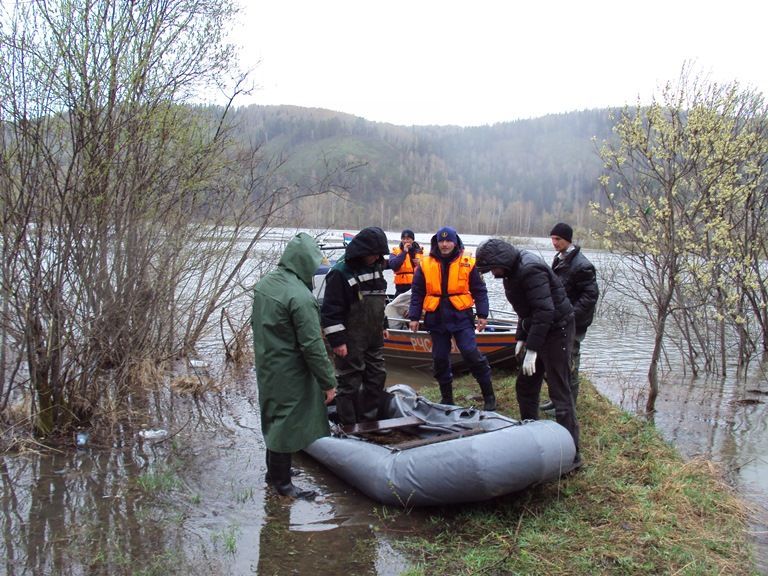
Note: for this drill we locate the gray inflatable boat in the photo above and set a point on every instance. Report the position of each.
(436, 454)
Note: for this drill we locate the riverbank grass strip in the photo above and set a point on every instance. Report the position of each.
(635, 508)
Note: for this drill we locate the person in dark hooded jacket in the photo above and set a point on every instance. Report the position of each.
(445, 287)
(352, 316)
(294, 373)
(545, 329)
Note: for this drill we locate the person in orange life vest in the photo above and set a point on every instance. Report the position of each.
(404, 259)
(445, 287)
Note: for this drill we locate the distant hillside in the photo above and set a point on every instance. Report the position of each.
(510, 178)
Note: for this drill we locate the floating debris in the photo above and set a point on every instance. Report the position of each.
(747, 401)
(153, 434)
(81, 439)
(192, 385)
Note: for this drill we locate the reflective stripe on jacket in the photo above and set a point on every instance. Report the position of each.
(458, 282)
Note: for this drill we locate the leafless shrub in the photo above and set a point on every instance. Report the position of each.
(128, 217)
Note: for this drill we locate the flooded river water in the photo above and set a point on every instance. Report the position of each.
(723, 419)
(189, 496)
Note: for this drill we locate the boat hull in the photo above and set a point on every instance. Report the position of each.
(414, 349)
(486, 455)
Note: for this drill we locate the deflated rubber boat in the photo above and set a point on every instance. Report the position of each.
(443, 454)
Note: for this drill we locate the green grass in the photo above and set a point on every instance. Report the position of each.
(244, 495)
(635, 508)
(160, 480)
(159, 566)
(227, 538)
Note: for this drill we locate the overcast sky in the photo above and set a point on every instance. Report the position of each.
(480, 61)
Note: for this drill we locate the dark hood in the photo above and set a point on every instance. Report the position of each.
(368, 242)
(496, 253)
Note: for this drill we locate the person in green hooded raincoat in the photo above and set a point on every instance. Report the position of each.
(295, 375)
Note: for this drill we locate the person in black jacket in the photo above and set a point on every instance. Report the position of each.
(579, 279)
(353, 322)
(545, 329)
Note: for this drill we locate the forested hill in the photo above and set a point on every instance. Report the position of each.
(510, 178)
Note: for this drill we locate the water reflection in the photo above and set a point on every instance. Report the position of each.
(79, 513)
(303, 538)
(195, 502)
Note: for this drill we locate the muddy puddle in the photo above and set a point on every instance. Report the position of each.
(189, 498)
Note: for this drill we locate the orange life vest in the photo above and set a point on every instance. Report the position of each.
(458, 282)
(404, 275)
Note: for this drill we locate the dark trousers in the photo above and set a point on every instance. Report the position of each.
(361, 374)
(554, 359)
(361, 377)
(467, 345)
(576, 355)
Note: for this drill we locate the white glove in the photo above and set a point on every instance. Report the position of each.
(518, 347)
(529, 363)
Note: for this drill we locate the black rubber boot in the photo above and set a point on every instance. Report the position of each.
(446, 394)
(369, 407)
(346, 409)
(279, 471)
(547, 406)
(268, 477)
(489, 398)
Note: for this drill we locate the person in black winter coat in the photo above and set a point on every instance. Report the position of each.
(545, 329)
(353, 322)
(579, 279)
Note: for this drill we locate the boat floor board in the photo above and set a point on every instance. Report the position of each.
(379, 425)
(436, 439)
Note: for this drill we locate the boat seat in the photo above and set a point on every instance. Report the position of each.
(379, 425)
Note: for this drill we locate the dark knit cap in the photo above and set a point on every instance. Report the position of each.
(562, 230)
(407, 234)
(447, 233)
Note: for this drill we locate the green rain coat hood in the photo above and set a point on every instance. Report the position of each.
(302, 256)
(292, 365)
